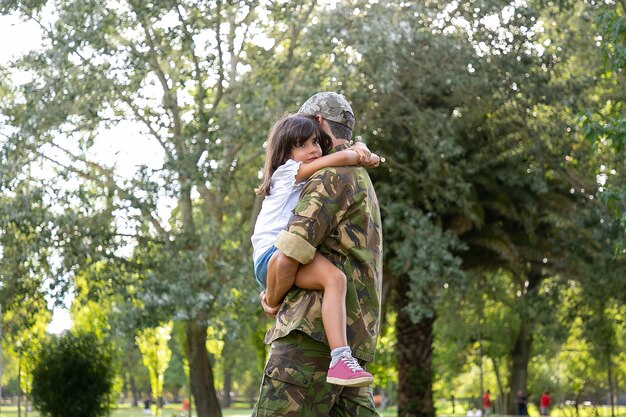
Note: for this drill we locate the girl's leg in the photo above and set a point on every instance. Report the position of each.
(278, 283)
(321, 274)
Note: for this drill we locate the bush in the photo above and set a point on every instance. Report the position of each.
(73, 377)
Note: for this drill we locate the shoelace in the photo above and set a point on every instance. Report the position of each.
(351, 363)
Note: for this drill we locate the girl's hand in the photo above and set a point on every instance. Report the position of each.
(362, 151)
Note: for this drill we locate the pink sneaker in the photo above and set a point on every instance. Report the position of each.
(347, 371)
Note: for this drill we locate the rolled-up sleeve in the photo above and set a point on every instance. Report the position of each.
(318, 211)
(295, 247)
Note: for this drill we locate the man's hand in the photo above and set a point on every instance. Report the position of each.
(373, 162)
(271, 311)
(366, 158)
(362, 151)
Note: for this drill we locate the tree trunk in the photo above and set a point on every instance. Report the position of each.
(133, 391)
(200, 370)
(229, 352)
(228, 379)
(1, 339)
(502, 398)
(19, 385)
(611, 385)
(520, 355)
(480, 368)
(519, 364)
(414, 351)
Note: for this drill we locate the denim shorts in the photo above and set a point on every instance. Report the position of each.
(260, 266)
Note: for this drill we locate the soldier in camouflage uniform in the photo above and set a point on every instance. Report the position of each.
(337, 215)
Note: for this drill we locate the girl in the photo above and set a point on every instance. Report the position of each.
(295, 147)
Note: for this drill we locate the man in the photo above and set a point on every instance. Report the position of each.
(337, 215)
(522, 403)
(544, 403)
(487, 402)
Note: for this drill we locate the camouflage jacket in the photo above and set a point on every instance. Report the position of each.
(337, 215)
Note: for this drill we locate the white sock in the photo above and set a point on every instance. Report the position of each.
(336, 353)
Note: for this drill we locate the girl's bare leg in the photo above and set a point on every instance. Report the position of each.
(281, 274)
(321, 274)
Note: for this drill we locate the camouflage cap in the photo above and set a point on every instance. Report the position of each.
(331, 106)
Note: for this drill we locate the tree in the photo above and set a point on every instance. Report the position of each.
(73, 366)
(25, 341)
(156, 355)
(24, 262)
(111, 318)
(458, 111)
(176, 377)
(480, 124)
(183, 75)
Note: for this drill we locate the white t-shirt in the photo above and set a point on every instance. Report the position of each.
(277, 207)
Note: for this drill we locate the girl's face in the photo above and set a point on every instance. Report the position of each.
(306, 151)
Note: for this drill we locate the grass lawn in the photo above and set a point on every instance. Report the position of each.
(173, 410)
(170, 410)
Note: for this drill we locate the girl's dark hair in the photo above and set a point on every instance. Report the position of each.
(287, 132)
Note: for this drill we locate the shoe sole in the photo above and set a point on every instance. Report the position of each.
(355, 382)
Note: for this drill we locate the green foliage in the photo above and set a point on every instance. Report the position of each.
(176, 377)
(170, 240)
(421, 252)
(503, 149)
(603, 121)
(76, 367)
(156, 355)
(24, 343)
(384, 366)
(25, 234)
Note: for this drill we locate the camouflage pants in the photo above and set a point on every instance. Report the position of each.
(294, 383)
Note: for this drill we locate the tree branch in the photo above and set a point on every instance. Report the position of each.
(169, 94)
(139, 237)
(209, 199)
(31, 17)
(147, 123)
(109, 182)
(234, 58)
(244, 21)
(201, 92)
(296, 29)
(220, 58)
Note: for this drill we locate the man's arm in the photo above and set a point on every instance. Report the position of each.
(281, 274)
(314, 218)
(271, 311)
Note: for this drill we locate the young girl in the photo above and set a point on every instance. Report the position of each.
(295, 147)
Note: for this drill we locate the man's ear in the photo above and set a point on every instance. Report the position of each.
(324, 125)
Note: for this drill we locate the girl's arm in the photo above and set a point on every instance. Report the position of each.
(366, 157)
(337, 159)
